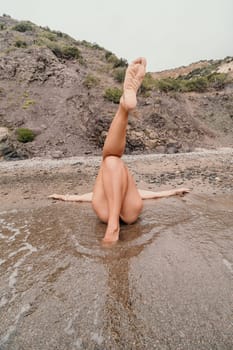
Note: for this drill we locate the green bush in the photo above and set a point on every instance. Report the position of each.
(56, 32)
(46, 28)
(96, 46)
(113, 94)
(108, 54)
(119, 74)
(2, 26)
(27, 103)
(71, 52)
(91, 81)
(116, 62)
(66, 52)
(25, 135)
(202, 71)
(111, 58)
(199, 84)
(87, 44)
(196, 84)
(120, 62)
(217, 80)
(199, 80)
(23, 27)
(168, 84)
(21, 44)
(57, 50)
(59, 34)
(49, 35)
(148, 84)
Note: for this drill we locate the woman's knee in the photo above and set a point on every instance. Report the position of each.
(130, 215)
(112, 162)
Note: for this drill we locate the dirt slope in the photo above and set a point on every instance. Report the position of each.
(55, 86)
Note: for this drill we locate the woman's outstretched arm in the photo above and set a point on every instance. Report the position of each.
(153, 195)
(86, 197)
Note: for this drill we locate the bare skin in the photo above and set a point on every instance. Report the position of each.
(115, 194)
(87, 197)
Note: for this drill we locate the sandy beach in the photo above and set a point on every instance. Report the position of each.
(29, 182)
(167, 284)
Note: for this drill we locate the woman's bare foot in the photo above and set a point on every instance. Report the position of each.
(111, 234)
(133, 79)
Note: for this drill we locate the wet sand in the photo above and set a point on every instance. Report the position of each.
(167, 284)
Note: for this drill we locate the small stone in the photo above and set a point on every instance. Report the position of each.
(172, 150)
(104, 134)
(160, 149)
(4, 133)
(153, 135)
(151, 143)
(57, 154)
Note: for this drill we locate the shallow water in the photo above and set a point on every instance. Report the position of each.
(167, 284)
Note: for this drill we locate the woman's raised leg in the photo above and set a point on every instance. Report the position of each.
(115, 194)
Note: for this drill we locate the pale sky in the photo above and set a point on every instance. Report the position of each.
(169, 33)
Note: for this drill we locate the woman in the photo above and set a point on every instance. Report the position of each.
(115, 195)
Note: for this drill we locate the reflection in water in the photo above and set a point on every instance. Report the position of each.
(170, 274)
(121, 322)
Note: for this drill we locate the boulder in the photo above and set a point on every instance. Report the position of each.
(8, 152)
(136, 140)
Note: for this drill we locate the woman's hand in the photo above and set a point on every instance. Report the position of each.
(182, 191)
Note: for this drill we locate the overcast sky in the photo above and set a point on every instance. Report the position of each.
(169, 33)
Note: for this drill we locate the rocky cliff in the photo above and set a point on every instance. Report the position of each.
(58, 96)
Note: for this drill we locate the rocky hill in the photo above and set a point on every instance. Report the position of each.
(58, 96)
